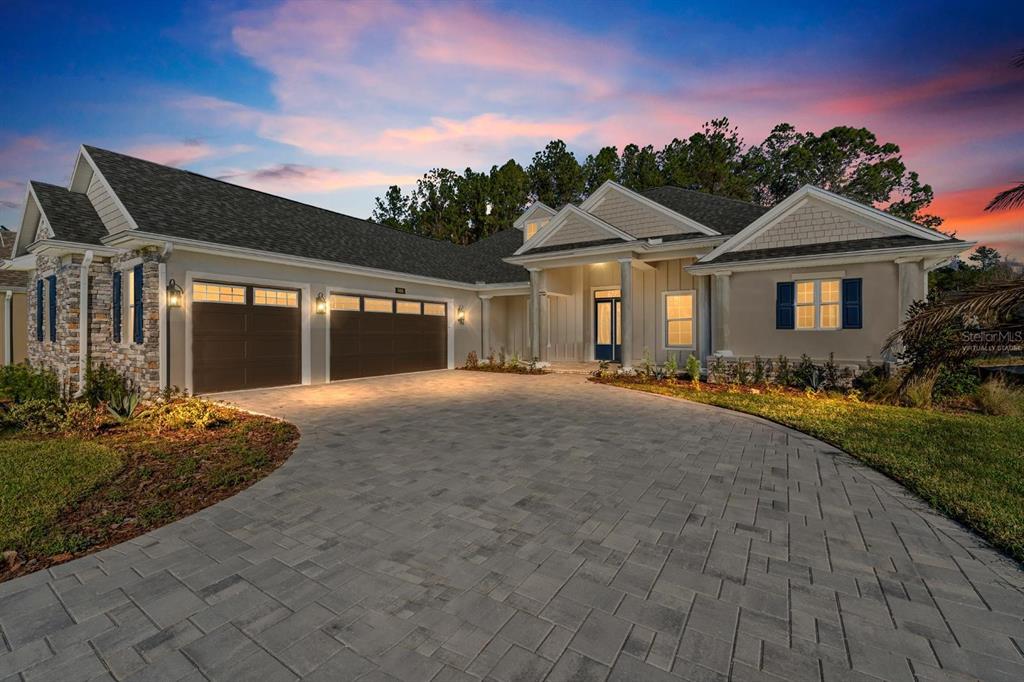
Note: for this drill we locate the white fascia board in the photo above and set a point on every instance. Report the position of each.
(597, 254)
(555, 223)
(59, 247)
(797, 200)
(812, 260)
(134, 238)
(21, 244)
(611, 186)
(20, 263)
(535, 207)
(117, 200)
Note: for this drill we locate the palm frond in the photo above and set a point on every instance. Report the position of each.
(1011, 198)
(991, 304)
(1018, 61)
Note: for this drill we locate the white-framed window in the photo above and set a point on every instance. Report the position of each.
(407, 307)
(678, 308)
(207, 292)
(377, 305)
(283, 298)
(817, 304)
(434, 309)
(533, 227)
(343, 302)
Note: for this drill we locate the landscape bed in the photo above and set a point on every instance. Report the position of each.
(72, 491)
(969, 466)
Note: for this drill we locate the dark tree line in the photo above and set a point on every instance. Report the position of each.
(849, 161)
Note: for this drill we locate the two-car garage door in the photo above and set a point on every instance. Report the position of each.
(247, 336)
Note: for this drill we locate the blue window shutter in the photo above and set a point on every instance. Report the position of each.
(853, 304)
(115, 316)
(52, 279)
(785, 315)
(39, 310)
(137, 316)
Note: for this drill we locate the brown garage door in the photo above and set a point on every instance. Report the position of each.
(245, 337)
(371, 336)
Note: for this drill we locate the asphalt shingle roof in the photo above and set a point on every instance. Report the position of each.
(178, 203)
(826, 248)
(722, 214)
(10, 278)
(71, 214)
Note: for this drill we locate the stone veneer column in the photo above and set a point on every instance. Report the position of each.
(626, 287)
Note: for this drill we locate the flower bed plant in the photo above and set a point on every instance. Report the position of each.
(503, 364)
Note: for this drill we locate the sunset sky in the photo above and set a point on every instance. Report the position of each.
(329, 103)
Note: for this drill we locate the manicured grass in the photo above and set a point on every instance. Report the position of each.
(968, 466)
(39, 477)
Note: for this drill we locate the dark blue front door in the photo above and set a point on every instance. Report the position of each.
(607, 329)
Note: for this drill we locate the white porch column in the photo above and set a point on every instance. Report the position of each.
(485, 326)
(720, 340)
(626, 287)
(703, 331)
(913, 284)
(535, 313)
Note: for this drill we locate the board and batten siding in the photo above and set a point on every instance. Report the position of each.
(110, 214)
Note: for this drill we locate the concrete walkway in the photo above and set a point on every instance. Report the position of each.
(456, 525)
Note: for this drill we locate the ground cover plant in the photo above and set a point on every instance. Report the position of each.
(507, 364)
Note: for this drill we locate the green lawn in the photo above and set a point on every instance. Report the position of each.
(39, 477)
(969, 466)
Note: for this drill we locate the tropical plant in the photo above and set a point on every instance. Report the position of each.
(1013, 197)
(830, 373)
(671, 366)
(693, 369)
(123, 402)
(101, 382)
(23, 382)
(742, 372)
(806, 373)
(783, 371)
(759, 376)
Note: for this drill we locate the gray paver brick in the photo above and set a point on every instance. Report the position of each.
(691, 540)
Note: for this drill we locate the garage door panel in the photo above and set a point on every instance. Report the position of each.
(370, 344)
(241, 345)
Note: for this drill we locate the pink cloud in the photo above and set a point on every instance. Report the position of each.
(172, 153)
(300, 179)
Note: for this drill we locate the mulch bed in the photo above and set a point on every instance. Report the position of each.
(166, 475)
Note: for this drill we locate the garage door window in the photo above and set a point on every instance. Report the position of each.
(203, 292)
(378, 305)
(433, 309)
(350, 303)
(407, 307)
(278, 297)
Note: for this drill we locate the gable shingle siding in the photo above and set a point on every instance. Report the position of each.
(814, 223)
(575, 230)
(630, 216)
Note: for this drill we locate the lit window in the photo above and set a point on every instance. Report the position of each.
(608, 293)
(817, 304)
(433, 309)
(277, 297)
(215, 293)
(339, 302)
(531, 229)
(407, 307)
(377, 305)
(679, 319)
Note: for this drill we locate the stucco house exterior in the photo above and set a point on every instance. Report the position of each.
(181, 280)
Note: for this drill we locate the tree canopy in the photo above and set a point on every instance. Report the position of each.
(849, 161)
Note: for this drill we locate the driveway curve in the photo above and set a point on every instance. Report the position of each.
(457, 526)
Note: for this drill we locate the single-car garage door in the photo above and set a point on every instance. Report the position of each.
(373, 335)
(245, 337)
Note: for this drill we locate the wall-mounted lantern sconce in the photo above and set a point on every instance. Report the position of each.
(174, 295)
(460, 315)
(321, 304)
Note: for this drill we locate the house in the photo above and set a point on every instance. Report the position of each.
(177, 279)
(13, 286)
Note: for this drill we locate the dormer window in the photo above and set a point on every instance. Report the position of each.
(532, 227)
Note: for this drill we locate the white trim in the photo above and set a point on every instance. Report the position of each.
(132, 225)
(816, 304)
(818, 259)
(520, 222)
(83, 320)
(163, 317)
(304, 309)
(20, 263)
(8, 332)
(450, 311)
(834, 274)
(549, 230)
(797, 199)
(591, 308)
(663, 320)
(595, 199)
(677, 248)
(210, 248)
(59, 247)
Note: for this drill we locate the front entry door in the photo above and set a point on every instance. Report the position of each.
(607, 329)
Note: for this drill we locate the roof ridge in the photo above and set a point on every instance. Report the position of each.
(707, 194)
(273, 196)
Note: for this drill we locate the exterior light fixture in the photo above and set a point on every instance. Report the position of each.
(321, 304)
(460, 315)
(174, 295)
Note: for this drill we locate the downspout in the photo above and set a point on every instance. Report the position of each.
(83, 322)
(8, 331)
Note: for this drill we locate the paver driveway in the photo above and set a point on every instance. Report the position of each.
(461, 525)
